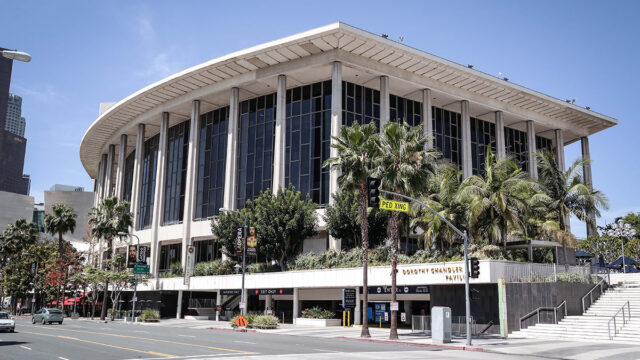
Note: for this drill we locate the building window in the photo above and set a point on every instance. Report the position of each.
(516, 146)
(359, 104)
(212, 155)
(149, 163)
(308, 139)
(405, 110)
(482, 137)
(447, 134)
(255, 147)
(128, 175)
(177, 157)
(207, 250)
(169, 254)
(544, 144)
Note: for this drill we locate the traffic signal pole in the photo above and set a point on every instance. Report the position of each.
(463, 234)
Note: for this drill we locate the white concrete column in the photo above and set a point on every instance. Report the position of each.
(218, 303)
(296, 304)
(268, 301)
(385, 112)
(336, 124)
(357, 312)
(122, 158)
(408, 310)
(191, 179)
(111, 154)
(501, 148)
(279, 161)
(465, 120)
(427, 117)
(231, 172)
(588, 180)
(531, 150)
(98, 196)
(179, 307)
(137, 175)
(559, 140)
(158, 202)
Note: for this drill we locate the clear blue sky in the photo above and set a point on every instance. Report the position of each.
(87, 52)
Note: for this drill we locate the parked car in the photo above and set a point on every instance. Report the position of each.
(47, 316)
(6, 322)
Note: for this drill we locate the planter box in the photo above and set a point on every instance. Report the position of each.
(318, 322)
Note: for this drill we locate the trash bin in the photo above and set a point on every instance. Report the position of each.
(441, 324)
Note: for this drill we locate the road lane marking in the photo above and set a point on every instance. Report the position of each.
(24, 347)
(245, 342)
(102, 344)
(326, 351)
(148, 339)
(62, 358)
(189, 336)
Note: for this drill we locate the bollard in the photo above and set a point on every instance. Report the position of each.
(283, 317)
(348, 319)
(344, 323)
(380, 321)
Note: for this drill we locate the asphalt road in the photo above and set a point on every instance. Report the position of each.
(75, 340)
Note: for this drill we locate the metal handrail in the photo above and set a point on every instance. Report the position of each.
(624, 319)
(542, 308)
(590, 294)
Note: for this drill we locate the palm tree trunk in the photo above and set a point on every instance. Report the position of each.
(364, 227)
(393, 333)
(103, 311)
(61, 267)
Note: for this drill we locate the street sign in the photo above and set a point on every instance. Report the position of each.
(281, 291)
(188, 270)
(135, 298)
(412, 289)
(386, 316)
(349, 298)
(243, 305)
(241, 321)
(403, 317)
(394, 205)
(230, 292)
(140, 269)
(394, 306)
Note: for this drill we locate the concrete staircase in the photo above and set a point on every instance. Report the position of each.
(593, 324)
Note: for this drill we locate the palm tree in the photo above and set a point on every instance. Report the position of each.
(404, 167)
(356, 151)
(63, 220)
(106, 221)
(496, 200)
(568, 194)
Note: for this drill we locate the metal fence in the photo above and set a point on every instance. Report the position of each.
(202, 303)
(513, 271)
(421, 324)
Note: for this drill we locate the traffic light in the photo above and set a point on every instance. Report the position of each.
(474, 268)
(373, 192)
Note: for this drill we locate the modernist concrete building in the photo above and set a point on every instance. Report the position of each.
(81, 202)
(217, 134)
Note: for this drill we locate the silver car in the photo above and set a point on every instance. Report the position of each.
(6, 322)
(47, 316)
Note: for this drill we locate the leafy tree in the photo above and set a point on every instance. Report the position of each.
(96, 278)
(17, 277)
(62, 220)
(404, 167)
(107, 220)
(356, 153)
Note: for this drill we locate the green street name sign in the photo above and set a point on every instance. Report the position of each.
(140, 269)
(394, 205)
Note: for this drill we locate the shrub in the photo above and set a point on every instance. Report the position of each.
(570, 277)
(265, 322)
(264, 268)
(317, 312)
(217, 267)
(150, 315)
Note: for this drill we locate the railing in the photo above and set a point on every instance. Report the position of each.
(624, 320)
(545, 308)
(422, 324)
(533, 272)
(600, 285)
(202, 303)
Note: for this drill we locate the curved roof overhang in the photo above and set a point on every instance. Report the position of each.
(336, 42)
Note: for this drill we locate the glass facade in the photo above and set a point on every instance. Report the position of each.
(359, 104)
(406, 110)
(176, 174)
(544, 144)
(516, 146)
(212, 155)
(206, 250)
(148, 182)
(447, 134)
(255, 147)
(128, 175)
(483, 136)
(308, 139)
(169, 254)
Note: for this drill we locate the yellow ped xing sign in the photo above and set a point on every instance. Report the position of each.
(394, 205)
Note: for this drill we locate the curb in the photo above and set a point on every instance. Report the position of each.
(234, 330)
(440, 346)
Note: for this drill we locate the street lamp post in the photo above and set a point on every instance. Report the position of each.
(622, 230)
(135, 278)
(243, 301)
(33, 303)
(16, 55)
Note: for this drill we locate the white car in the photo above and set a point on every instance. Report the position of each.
(6, 322)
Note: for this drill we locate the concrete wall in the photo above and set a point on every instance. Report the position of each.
(13, 207)
(484, 302)
(81, 202)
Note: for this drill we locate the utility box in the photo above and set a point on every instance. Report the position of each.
(441, 324)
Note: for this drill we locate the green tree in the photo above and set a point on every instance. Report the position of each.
(109, 218)
(96, 278)
(404, 167)
(61, 221)
(17, 276)
(357, 150)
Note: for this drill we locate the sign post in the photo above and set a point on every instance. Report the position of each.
(349, 298)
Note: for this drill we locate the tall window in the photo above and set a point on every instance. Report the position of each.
(128, 175)
(447, 134)
(516, 146)
(177, 157)
(206, 250)
(308, 140)
(169, 254)
(405, 110)
(482, 137)
(212, 155)
(544, 144)
(255, 148)
(147, 190)
(359, 104)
